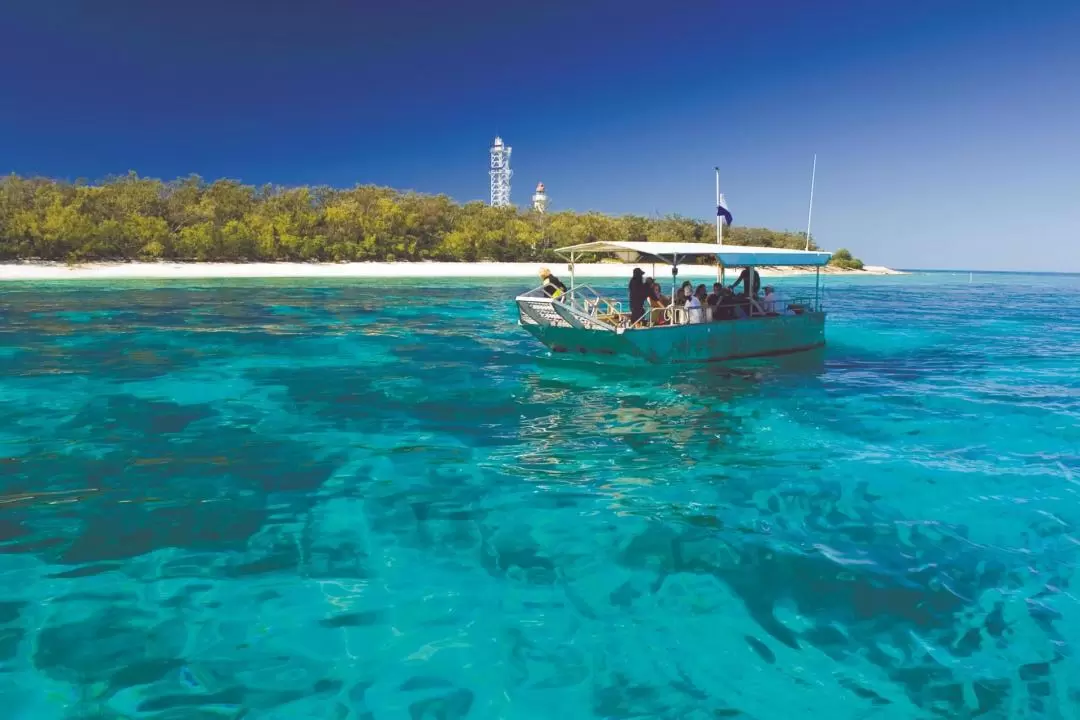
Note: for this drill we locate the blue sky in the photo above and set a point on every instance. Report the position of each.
(947, 132)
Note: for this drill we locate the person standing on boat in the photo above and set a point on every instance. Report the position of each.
(638, 295)
(551, 284)
(744, 278)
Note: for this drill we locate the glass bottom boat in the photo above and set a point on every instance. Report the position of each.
(583, 322)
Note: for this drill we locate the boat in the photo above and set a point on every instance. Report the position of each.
(583, 322)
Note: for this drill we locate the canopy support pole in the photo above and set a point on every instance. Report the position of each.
(572, 273)
(674, 277)
(751, 292)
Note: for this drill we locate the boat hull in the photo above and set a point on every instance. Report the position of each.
(706, 342)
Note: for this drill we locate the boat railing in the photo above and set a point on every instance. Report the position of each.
(679, 315)
(538, 293)
(586, 300)
(659, 316)
(798, 303)
(590, 307)
(582, 298)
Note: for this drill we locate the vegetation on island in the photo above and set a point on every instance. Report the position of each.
(134, 218)
(843, 259)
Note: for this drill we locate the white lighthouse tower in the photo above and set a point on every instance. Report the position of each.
(540, 199)
(500, 173)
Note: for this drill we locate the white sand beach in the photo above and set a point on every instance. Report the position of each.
(195, 271)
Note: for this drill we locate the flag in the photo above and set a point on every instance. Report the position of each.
(722, 211)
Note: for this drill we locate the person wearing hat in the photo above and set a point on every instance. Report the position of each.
(551, 284)
(638, 295)
(769, 302)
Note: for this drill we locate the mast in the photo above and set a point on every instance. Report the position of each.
(810, 214)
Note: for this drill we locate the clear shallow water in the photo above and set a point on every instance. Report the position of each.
(263, 500)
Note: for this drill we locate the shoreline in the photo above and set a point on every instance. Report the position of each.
(206, 271)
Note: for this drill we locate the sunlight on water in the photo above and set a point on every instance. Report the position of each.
(265, 500)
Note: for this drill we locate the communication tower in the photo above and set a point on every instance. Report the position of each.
(500, 174)
(540, 199)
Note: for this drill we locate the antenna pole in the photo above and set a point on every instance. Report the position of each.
(719, 220)
(810, 215)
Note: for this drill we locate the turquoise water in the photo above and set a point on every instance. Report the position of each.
(266, 500)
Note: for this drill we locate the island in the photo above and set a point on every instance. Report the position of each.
(136, 227)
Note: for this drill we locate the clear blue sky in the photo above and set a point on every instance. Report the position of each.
(947, 132)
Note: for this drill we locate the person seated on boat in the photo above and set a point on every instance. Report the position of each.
(658, 303)
(712, 302)
(638, 295)
(725, 306)
(771, 302)
(703, 297)
(685, 291)
(694, 311)
(661, 296)
(744, 279)
(551, 284)
(714, 297)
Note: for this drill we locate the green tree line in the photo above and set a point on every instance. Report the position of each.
(135, 218)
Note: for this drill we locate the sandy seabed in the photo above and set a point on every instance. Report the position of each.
(195, 270)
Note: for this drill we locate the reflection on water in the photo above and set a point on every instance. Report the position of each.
(269, 501)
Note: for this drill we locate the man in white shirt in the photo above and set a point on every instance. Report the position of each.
(694, 312)
(769, 302)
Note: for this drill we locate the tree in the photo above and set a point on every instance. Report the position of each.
(843, 258)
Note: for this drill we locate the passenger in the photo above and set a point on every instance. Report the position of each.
(551, 284)
(770, 301)
(658, 303)
(714, 298)
(663, 298)
(686, 291)
(638, 296)
(694, 312)
(702, 296)
(725, 308)
(744, 278)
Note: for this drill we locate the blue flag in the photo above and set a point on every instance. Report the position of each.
(722, 211)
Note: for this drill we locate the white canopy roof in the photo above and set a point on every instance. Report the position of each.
(676, 252)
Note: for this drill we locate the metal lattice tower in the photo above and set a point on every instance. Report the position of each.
(500, 174)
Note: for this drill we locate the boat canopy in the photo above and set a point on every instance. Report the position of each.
(674, 253)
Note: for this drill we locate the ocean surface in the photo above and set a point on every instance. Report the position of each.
(359, 500)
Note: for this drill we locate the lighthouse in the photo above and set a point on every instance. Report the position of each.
(540, 199)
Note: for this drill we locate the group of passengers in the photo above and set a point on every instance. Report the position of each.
(647, 299)
(700, 306)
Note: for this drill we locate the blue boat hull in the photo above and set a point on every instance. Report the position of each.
(706, 342)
